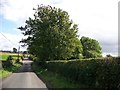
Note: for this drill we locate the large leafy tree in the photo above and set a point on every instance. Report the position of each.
(91, 47)
(51, 34)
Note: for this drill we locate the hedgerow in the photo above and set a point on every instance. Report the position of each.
(94, 73)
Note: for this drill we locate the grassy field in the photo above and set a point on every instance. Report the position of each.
(4, 56)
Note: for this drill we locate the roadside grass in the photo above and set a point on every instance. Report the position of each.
(53, 80)
(4, 72)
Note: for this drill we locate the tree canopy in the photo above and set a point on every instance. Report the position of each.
(51, 34)
(14, 50)
(91, 47)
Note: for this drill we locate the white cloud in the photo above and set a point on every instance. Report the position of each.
(20, 10)
(10, 41)
(16, 10)
(96, 18)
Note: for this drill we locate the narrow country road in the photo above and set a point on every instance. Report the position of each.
(23, 78)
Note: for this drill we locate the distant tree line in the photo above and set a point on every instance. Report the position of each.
(52, 36)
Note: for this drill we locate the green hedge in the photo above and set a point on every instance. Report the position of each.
(9, 62)
(94, 73)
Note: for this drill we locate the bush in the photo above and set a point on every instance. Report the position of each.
(18, 60)
(94, 73)
(30, 57)
(8, 62)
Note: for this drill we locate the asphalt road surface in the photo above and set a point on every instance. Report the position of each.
(23, 78)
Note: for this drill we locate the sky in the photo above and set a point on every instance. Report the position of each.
(97, 19)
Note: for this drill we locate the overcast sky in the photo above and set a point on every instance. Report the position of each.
(97, 19)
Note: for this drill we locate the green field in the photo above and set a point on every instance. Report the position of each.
(4, 55)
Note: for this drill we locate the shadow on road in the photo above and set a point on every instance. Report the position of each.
(26, 67)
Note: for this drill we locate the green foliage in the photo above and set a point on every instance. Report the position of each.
(53, 80)
(91, 48)
(108, 55)
(51, 34)
(8, 62)
(96, 73)
(6, 71)
(11, 59)
(14, 50)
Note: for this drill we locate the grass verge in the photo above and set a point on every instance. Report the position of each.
(53, 80)
(9, 70)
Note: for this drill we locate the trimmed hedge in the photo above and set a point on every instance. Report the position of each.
(95, 73)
